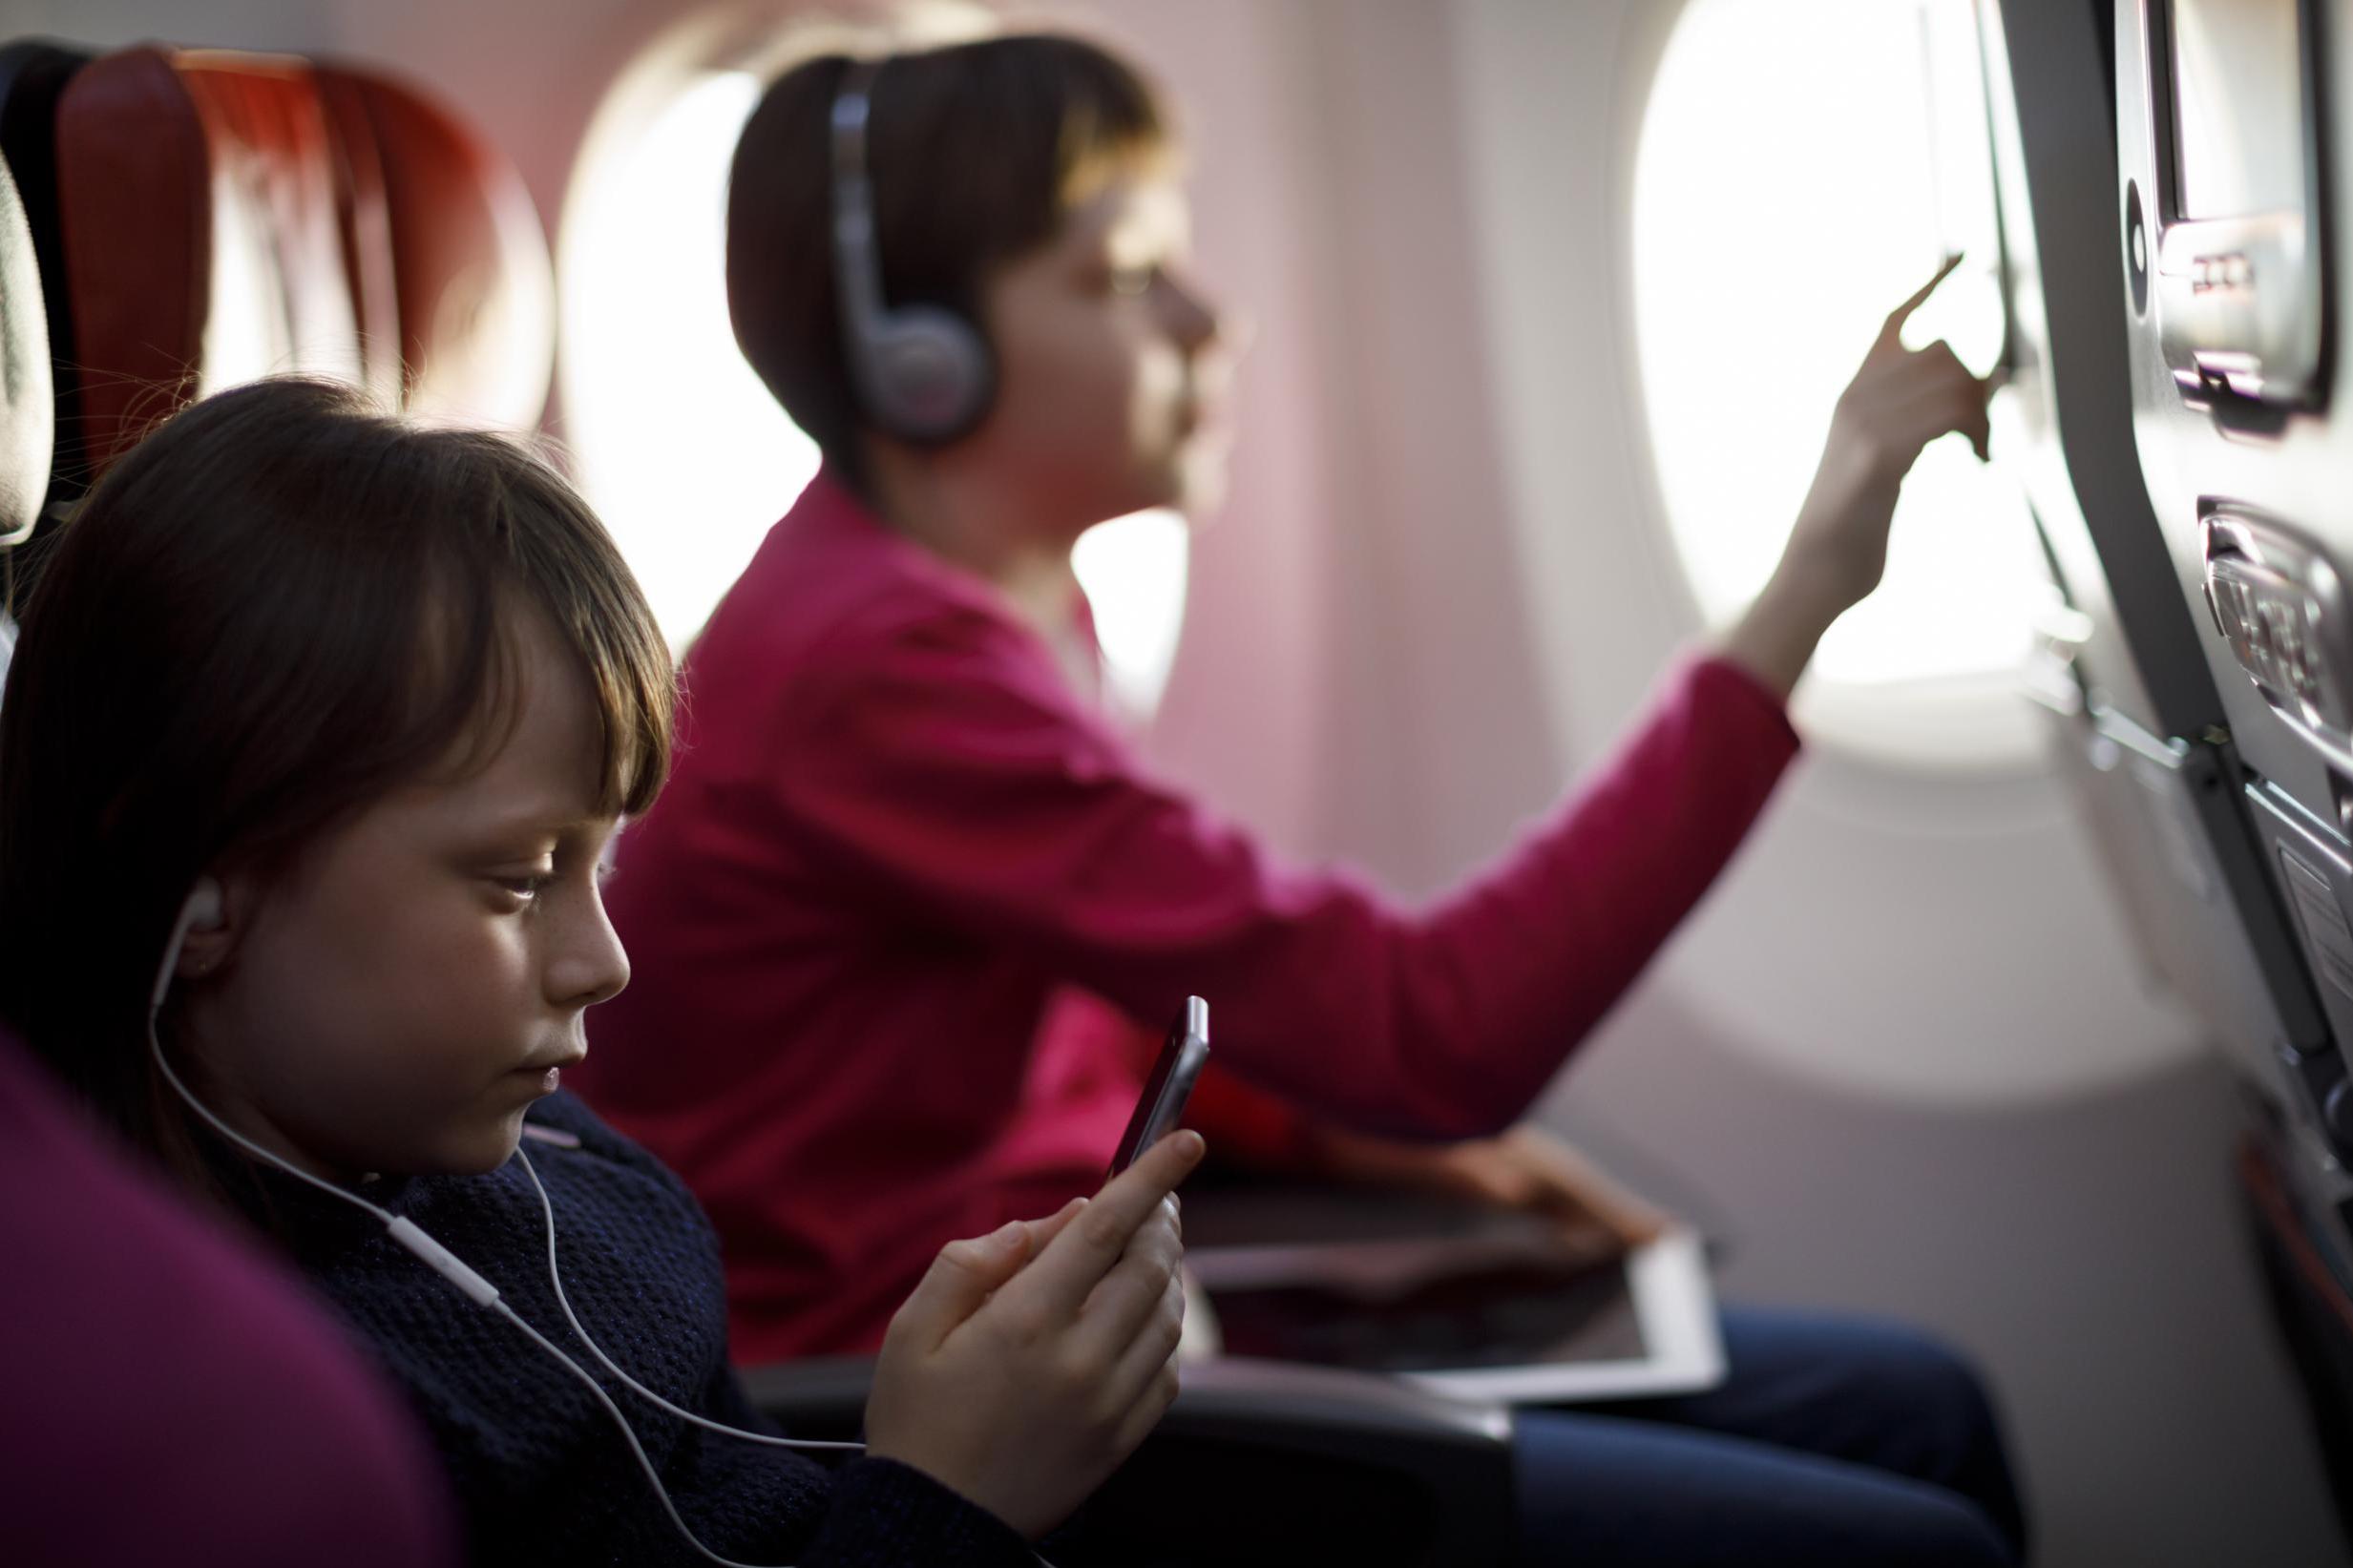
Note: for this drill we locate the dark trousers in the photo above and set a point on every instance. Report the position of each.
(1836, 1442)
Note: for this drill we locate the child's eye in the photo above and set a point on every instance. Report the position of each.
(527, 889)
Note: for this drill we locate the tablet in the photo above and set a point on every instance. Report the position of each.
(1499, 1312)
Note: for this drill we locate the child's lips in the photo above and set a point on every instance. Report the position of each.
(550, 1069)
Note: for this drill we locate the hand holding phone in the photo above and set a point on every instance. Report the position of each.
(1030, 1362)
(1171, 1085)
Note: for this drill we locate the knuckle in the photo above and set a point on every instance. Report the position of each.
(1100, 1229)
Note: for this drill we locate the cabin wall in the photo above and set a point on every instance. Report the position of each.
(1437, 590)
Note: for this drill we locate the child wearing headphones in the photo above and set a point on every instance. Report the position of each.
(911, 890)
(318, 731)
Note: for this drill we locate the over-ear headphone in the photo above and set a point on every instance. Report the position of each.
(922, 372)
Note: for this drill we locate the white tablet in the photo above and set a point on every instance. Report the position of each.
(1495, 1314)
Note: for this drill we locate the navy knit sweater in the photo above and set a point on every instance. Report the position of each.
(542, 1472)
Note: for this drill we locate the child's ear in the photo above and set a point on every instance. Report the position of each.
(223, 904)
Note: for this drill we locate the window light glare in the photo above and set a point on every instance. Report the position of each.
(1133, 571)
(1805, 164)
(682, 448)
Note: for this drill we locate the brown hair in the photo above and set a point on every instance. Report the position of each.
(975, 150)
(276, 609)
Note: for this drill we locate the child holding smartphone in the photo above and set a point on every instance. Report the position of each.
(332, 720)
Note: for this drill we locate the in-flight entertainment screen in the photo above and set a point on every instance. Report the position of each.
(2239, 108)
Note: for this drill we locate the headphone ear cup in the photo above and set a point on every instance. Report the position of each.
(929, 376)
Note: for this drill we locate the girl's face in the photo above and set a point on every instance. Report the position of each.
(397, 997)
(1111, 371)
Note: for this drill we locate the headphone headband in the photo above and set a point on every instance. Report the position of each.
(921, 373)
(857, 268)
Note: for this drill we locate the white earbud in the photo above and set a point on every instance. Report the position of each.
(200, 912)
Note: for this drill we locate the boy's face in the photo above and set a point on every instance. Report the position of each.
(397, 998)
(1112, 372)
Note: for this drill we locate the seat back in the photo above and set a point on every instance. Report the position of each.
(203, 242)
(471, 304)
(226, 217)
(33, 73)
(27, 409)
(2139, 725)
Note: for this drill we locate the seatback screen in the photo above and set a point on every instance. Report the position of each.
(2239, 108)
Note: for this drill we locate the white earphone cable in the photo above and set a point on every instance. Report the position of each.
(451, 1267)
(555, 1278)
(477, 1289)
(636, 1448)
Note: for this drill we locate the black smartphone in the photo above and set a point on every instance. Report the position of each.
(1171, 1085)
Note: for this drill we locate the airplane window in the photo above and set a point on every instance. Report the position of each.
(676, 441)
(1803, 165)
(1134, 572)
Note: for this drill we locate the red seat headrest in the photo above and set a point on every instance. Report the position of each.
(198, 195)
(230, 216)
(474, 298)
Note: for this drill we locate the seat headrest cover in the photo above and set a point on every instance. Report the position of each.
(28, 408)
(198, 194)
(33, 73)
(476, 300)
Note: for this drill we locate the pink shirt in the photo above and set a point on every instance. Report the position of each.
(900, 858)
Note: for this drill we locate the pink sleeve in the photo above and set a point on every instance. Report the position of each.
(954, 781)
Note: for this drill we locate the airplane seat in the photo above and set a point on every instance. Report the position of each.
(32, 75)
(28, 411)
(227, 215)
(203, 246)
(1303, 1464)
(2139, 731)
(463, 314)
(28, 401)
(2231, 163)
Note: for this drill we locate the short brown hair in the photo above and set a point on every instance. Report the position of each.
(975, 150)
(276, 609)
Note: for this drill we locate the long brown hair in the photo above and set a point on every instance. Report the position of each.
(276, 609)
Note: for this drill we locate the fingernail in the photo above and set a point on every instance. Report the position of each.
(1006, 1234)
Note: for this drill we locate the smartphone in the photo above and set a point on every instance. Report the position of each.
(1171, 1085)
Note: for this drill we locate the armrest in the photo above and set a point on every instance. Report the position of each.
(1263, 1461)
(824, 1396)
